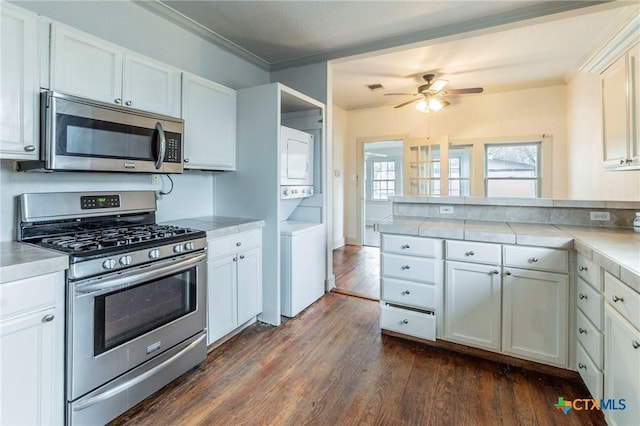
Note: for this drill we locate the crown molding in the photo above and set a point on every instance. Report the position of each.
(177, 18)
(615, 48)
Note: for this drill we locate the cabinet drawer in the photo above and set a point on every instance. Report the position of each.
(404, 321)
(590, 301)
(622, 298)
(590, 373)
(541, 258)
(234, 243)
(468, 251)
(590, 337)
(589, 271)
(413, 246)
(409, 293)
(411, 268)
(30, 293)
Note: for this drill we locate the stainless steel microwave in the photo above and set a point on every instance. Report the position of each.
(78, 134)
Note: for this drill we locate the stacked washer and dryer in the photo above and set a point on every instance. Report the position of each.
(302, 240)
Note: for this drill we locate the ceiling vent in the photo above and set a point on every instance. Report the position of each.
(375, 86)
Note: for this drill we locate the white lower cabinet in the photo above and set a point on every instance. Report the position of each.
(32, 350)
(472, 304)
(234, 282)
(535, 315)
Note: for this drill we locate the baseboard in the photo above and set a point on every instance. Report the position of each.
(338, 243)
(226, 337)
(352, 241)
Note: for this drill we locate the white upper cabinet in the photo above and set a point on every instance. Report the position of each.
(209, 113)
(18, 84)
(86, 66)
(620, 109)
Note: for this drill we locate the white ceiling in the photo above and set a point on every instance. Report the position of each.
(498, 45)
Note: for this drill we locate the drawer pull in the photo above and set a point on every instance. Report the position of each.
(533, 259)
(469, 253)
(406, 292)
(494, 272)
(617, 299)
(582, 330)
(582, 268)
(582, 296)
(405, 246)
(241, 256)
(636, 345)
(235, 259)
(48, 318)
(405, 267)
(405, 321)
(582, 366)
(507, 273)
(238, 244)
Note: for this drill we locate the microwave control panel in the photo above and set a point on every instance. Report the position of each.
(172, 155)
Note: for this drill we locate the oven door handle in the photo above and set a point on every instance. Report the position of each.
(136, 277)
(129, 384)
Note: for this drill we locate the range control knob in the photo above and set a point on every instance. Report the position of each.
(286, 192)
(178, 248)
(188, 246)
(109, 264)
(125, 260)
(154, 254)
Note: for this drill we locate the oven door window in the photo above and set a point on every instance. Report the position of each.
(84, 137)
(125, 314)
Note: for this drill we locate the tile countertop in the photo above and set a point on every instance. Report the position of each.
(19, 261)
(617, 250)
(219, 226)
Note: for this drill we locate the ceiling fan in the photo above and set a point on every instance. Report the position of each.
(430, 96)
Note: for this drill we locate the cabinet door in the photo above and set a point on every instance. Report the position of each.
(472, 304)
(18, 85)
(249, 284)
(85, 66)
(209, 112)
(633, 58)
(151, 86)
(221, 297)
(30, 373)
(622, 368)
(534, 315)
(614, 114)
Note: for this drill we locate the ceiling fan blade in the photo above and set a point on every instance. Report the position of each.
(401, 94)
(463, 91)
(407, 103)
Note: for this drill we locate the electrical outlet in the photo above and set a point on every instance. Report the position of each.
(156, 180)
(446, 209)
(601, 216)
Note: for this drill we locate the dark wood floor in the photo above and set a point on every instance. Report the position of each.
(357, 270)
(331, 366)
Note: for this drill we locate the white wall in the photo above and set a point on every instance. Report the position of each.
(527, 112)
(339, 136)
(586, 177)
(134, 28)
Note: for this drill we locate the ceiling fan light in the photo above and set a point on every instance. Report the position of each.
(422, 106)
(435, 104)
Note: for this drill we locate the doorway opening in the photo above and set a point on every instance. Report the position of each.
(382, 179)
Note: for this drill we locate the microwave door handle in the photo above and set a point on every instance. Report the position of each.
(161, 145)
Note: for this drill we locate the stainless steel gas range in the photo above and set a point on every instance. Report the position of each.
(135, 296)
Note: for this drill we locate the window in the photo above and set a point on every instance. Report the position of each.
(425, 169)
(460, 171)
(512, 170)
(384, 180)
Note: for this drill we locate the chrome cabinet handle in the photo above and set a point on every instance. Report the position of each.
(636, 345)
(406, 292)
(241, 256)
(405, 246)
(494, 272)
(582, 331)
(128, 103)
(30, 148)
(118, 100)
(617, 299)
(582, 296)
(507, 273)
(186, 160)
(48, 318)
(623, 161)
(582, 366)
(405, 321)
(238, 244)
(403, 267)
(533, 259)
(235, 259)
(469, 253)
(582, 268)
